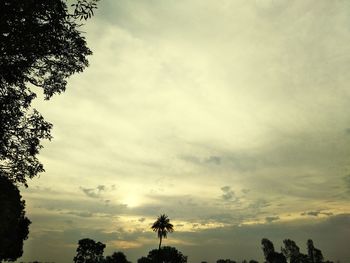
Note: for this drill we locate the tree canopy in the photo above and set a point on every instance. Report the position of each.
(89, 251)
(166, 254)
(116, 257)
(40, 45)
(14, 225)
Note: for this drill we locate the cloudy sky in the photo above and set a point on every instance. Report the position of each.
(232, 117)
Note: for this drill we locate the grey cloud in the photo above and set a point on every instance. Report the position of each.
(347, 182)
(245, 191)
(142, 219)
(81, 207)
(311, 213)
(214, 160)
(231, 242)
(228, 194)
(94, 192)
(202, 161)
(270, 219)
(259, 204)
(80, 213)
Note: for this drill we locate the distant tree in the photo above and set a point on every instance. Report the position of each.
(89, 251)
(314, 254)
(116, 257)
(144, 260)
(253, 261)
(162, 226)
(292, 252)
(40, 45)
(225, 261)
(14, 225)
(165, 255)
(269, 252)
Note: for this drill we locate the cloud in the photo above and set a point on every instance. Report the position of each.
(94, 192)
(213, 159)
(316, 213)
(270, 219)
(80, 213)
(228, 194)
(176, 104)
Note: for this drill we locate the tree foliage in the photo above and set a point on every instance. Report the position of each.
(89, 251)
(14, 225)
(116, 257)
(40, 45)
(292, 252)
(271, 256)
(166, 254)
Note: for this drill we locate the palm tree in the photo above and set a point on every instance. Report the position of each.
(162, 226)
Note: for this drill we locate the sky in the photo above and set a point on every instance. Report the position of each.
(231, 117)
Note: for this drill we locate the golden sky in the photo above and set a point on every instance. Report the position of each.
(229, 116)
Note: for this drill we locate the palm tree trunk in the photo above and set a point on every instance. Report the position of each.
(160, 242)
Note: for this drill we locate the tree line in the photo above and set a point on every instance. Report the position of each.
(89, 251)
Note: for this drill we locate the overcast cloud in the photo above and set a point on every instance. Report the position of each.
(229, 116)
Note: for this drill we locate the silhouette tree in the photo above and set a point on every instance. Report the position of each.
(162, 226)
(116, 257)
(253, 261)
(292, 252)
(144, 260)
(13, 223)
(314, 254)
(225, 261)
(269, 252)
(40, 45)
(89, 251)
(165, 254)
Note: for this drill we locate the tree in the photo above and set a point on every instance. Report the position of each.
(89, 251)
(314, 254)
(40, 45)
(14, 225)
(225, 261)
(116, 257)
(165, 254)
(162, 226)
(144, 260)
(269, 252)
(292, 252)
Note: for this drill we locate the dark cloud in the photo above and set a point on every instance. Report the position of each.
(311, 213)
(316, 213)
(142, 219)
